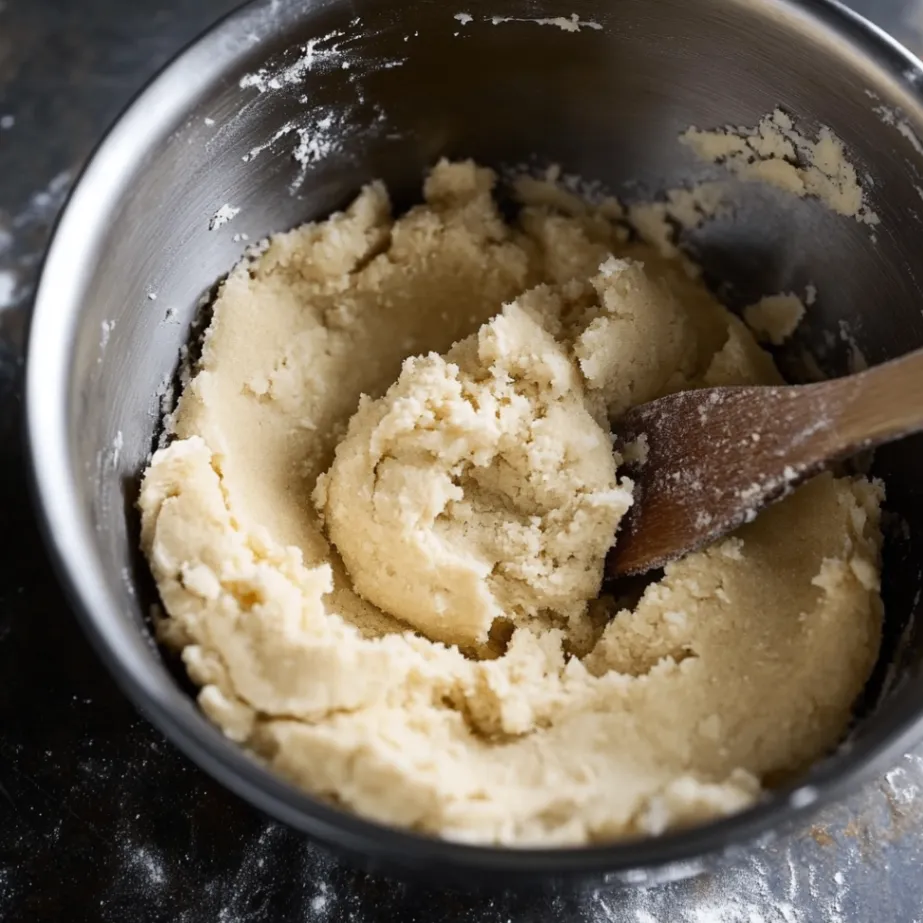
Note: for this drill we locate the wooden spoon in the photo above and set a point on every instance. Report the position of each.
(715, 457)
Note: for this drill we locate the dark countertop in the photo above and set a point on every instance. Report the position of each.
(100, 817)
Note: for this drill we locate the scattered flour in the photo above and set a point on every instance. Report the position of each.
(897, 121)
(904, 128)
(221, 217)
(320, 132)
(570, 23)
(315, 142)
(23, 238)
(322, 55)
(254, 152)
(319, 55)
(754, 892)
(7, 122)
(148, 865)
(43, 206)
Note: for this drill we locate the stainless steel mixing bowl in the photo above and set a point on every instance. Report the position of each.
(372, 88)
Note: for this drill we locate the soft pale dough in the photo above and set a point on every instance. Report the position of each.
(479, 488)
(417, 633)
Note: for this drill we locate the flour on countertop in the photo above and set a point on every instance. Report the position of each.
(147, 865)
(44, 205)
(310, 868)
(151, 871)
(20, 264)
(750, 893)
(7, 122)
(25, 227)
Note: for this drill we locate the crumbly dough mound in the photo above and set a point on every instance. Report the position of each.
(354, 644)
(479, 488)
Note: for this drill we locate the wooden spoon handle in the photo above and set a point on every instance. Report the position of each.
(715, 457)
(878, 405)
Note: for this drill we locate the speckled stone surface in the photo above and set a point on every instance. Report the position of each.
(100, 817)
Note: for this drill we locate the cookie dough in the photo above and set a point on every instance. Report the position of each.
(774, 318)
(379, 529)
(778, 153)
(480, 488)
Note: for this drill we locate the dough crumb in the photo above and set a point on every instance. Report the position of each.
(777, 153)
(774, 318)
